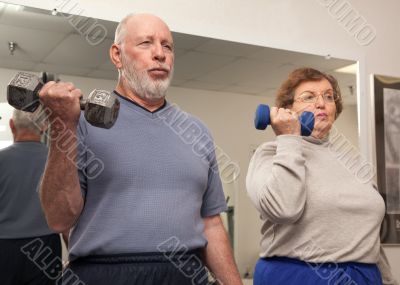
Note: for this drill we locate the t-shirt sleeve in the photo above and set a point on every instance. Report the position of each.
(213, 199)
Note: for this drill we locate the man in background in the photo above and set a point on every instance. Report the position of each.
(28, 248)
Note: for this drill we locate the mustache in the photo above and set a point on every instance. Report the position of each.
(127, 63)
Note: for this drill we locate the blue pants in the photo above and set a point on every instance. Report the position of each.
(289, 271)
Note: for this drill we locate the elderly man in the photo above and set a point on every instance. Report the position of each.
(22, 222)
(152, 215)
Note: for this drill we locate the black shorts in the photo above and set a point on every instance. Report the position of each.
(33, 261)
(138, 269)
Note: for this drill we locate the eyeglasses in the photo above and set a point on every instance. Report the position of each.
(312, 97)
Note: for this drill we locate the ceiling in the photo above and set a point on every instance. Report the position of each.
(59, 44)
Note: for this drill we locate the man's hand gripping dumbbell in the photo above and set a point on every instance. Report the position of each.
(26, 91)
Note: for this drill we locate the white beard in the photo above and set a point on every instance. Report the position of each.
(141, 83)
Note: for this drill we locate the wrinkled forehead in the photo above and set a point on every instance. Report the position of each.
(314, 86)
(140, 26)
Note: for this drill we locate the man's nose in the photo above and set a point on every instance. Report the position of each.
(158, 52)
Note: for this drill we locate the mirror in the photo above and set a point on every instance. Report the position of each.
(218, 81)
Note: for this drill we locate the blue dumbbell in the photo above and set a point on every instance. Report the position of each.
(262, 120)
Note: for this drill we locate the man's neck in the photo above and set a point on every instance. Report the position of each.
(150, 105)
(22, 137)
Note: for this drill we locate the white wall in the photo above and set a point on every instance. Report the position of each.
(304, 26)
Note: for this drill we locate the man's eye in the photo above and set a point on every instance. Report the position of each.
(168, 47)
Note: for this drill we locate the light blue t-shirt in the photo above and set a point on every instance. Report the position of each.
(153, 176)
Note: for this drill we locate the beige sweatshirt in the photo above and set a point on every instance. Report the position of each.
(315, 207)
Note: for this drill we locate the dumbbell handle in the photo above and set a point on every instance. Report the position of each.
(82, 103)
(262, 120)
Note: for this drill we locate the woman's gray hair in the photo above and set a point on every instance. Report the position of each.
(32, 122)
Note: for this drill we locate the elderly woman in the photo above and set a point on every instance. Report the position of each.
(321, 223)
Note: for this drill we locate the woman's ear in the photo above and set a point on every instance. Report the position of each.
(115, 55)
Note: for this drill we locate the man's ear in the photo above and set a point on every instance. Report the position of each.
(12, 127)
(115, 55)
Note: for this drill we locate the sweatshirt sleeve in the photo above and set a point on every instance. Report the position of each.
(384, 268)
(275, 180)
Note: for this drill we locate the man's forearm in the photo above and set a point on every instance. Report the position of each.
(60, 192)
(218, 253)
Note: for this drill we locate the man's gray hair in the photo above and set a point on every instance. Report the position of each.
(32, 122)
(120, 32)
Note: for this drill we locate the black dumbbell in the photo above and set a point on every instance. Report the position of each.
(101, 107)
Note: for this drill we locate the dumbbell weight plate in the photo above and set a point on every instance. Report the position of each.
(101, 108)
(262, 119)
(22, 92)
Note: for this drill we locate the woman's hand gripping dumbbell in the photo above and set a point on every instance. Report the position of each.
(284, 121)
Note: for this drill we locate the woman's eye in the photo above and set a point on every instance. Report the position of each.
(308, 97)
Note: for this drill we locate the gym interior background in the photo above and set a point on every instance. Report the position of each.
(229, 59)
